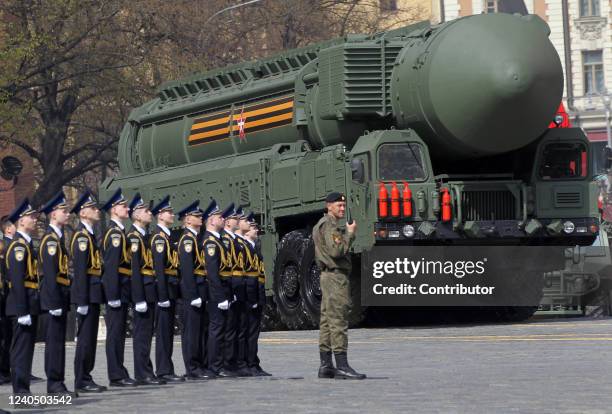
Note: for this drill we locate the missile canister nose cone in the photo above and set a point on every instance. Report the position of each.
(486, 85)
(511, 80)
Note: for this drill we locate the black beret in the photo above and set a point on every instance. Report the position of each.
(335, 196)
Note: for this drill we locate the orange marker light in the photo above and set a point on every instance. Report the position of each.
(446, 205)
(395, 202)
(406, 201)
(383, 202)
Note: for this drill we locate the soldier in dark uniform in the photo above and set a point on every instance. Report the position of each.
(86, 292)
(116, 274)
(144, 292)
(256, 292)
(165, 266)
(219, 273)
(236, 330)
(55, 291)
(332, 245)
(6, 328)
(194, 291)
(23, 301)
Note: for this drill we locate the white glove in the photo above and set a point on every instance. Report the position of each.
(114, 303)
(223, 305)
(254, 306)
(141, 307)
(165, 304)
(82, 310)
(235, 298)
(197, 302)
(24, 320)
(56, 312)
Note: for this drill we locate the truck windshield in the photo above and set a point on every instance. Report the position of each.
(401, 162)
(560, 161)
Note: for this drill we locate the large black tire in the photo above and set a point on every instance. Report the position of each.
(270, 320)
(598, 304)
(311, 282)
(311, 287)
(286, 286)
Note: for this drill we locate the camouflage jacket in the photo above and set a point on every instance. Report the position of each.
(332, 245)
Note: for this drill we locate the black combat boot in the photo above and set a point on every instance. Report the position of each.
(326, 370)
(343, 369)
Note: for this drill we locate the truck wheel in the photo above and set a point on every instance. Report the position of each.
(311, 287)
(598, 304)
(287, 271)
(270, 320)
(311, 283)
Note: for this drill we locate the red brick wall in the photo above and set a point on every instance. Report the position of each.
(9, 195)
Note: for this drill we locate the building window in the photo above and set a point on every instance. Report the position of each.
(589, 8)
(490, 6)
(388, 5)
(592, 64)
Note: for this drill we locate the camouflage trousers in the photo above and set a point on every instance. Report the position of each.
(335, 307)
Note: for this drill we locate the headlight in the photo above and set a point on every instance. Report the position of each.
(568, 227)
(408, 230)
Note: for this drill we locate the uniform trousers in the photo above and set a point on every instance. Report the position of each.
(142, 336)
(116, 321)
(216, 336)
(22, 353)
(164, 339)
(193, 339)
(335, 306)
(87, 340)
(55, 351)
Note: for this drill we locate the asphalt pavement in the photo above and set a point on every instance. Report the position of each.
(543, 366)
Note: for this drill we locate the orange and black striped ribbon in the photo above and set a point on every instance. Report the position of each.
(258, 116)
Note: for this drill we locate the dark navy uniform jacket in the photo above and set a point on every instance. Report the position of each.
(87, 268)
(117, 268)
(53, 264)
(192, 268)
(143, 278)
(219, 268)
(23, 297)
(165, 266)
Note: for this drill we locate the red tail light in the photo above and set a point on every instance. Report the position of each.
(406, 201)
(383, 202)
(395, 200)
(446, 205)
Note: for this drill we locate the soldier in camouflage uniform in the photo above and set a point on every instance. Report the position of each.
(332, 245)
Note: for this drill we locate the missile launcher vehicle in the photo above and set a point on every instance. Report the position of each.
(437, 134)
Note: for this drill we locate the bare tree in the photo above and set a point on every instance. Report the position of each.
(73, 69)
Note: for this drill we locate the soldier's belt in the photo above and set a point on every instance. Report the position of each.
(255, 274)
(147, 272)
(198, 272)
(170, 271)
(238, 274)
(262, 280)
(225, 274)
(62, 280)
(94, 272)
(27, 284)
(124, 271)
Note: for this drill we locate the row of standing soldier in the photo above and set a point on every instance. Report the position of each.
(218, 276)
